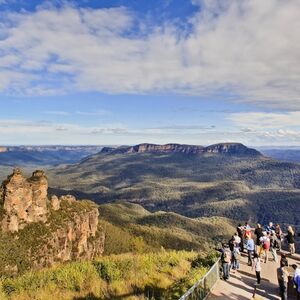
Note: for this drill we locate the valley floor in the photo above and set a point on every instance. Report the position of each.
(241, 284)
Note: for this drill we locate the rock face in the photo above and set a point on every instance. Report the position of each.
(78, 238)
(24, 200)
(231, 148)
(223, 148)
(59, 229)
(3, 149)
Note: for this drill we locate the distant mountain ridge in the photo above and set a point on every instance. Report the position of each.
(44, 155)
(222, 148)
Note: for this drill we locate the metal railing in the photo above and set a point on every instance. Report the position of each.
(204, 285)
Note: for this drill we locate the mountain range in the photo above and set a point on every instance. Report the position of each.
(223, 180)
(44, 155)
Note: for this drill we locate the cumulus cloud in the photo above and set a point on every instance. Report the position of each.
(248, 50)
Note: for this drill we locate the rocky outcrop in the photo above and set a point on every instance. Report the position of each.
(77, 237)
(223, 148)
(3, 149)
(24, 200)
(48, 231)
(232, 149)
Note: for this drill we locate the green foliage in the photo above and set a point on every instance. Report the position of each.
(165, 274)
(130, 228)
(205, 260)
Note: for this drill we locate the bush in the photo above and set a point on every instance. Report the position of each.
(162, 274)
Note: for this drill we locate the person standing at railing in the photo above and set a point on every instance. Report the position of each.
(291, 240)
(259, 233)
(273, 246)
(270, 227)
(279, 236)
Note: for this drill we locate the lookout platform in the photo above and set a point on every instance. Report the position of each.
(241, 284)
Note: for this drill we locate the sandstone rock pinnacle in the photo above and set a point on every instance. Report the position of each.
(24, 200)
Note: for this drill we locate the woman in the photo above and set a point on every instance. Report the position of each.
(257, 267)
(291, 240)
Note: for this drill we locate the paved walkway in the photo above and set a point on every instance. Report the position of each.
(241, 284)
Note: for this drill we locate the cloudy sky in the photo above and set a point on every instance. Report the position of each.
(131, 71)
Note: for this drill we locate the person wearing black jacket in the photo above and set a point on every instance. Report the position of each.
(259, 233)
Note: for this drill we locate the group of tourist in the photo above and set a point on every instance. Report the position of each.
(258, 243)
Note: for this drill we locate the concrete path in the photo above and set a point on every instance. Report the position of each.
(241, 284)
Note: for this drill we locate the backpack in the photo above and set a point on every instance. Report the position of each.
(226, 256)
(266, 245)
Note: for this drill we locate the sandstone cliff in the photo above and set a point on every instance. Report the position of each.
(222, 148)
(24, 200)
(3, 149)
(39, 231)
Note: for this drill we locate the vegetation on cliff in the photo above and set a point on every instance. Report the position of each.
(127, 276)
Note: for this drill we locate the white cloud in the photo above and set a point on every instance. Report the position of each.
(43, 132)
(248, 49)
(262, 120)
(57, 112)
(97, 112)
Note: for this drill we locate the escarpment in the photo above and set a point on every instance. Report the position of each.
(40, 231)
(222, 148)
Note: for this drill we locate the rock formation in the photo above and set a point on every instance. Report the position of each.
(59, 229)
(3, 149)
(24, 200)
(223, 148)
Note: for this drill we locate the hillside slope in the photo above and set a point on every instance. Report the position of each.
(239, 185)
(129, 227)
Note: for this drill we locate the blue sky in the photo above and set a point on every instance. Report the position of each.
(126, 72)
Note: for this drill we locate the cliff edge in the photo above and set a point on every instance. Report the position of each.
(237, 149)
(40, 231)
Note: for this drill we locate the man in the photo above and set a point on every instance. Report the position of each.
(270, 227)
(282, 276)
(250, 249)
(226, 260)
(273, 246)
(237, 242)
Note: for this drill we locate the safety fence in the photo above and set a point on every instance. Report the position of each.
(203, 286)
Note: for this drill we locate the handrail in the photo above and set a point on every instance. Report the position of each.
(204, 285)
